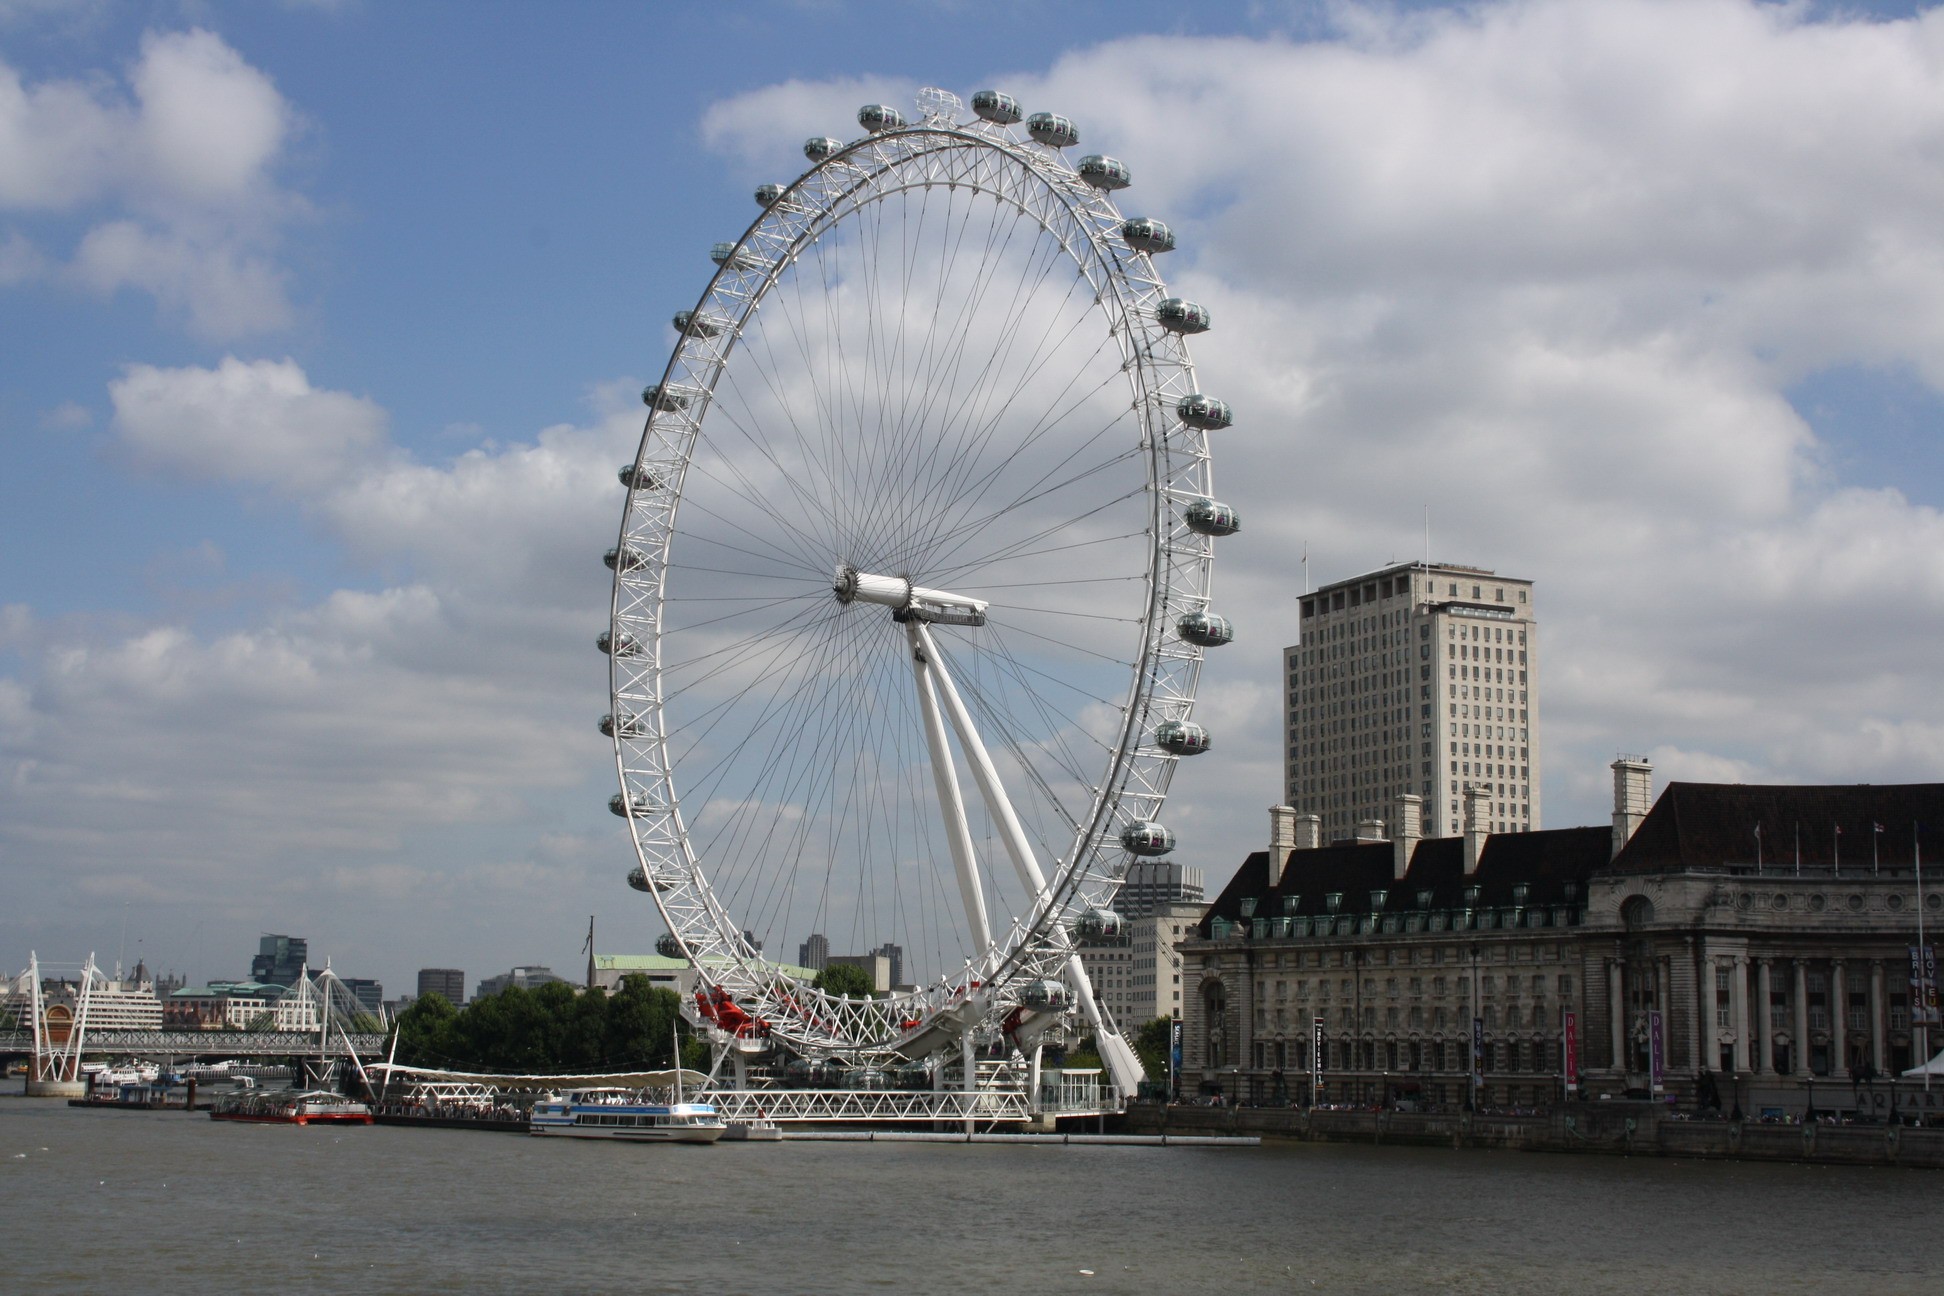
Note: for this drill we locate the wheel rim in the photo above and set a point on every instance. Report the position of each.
(885, 376)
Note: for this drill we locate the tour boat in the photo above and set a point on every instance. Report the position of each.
(290, 1107)
(627, 1114)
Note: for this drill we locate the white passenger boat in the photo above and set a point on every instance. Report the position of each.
(628, 1114)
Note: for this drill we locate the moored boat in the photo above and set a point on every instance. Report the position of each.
(292, 1107)
(627, 1114)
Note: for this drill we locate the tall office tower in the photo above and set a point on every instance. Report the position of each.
(896, 954)
(448, 983)
(814, 953)
(1150, 884)
(1418, 680)
(280, 960)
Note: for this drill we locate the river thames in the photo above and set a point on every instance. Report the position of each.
(135, 1202)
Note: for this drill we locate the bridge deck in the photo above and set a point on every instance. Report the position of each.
(210, 1044)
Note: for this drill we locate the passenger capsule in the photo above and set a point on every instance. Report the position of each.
(993, 106)
(879, 117)
(766, 195)
(1179, 315)
(625, 646)
(1052, 129)
(1182, 737)
(1211, 518)
(625, 725)
(624, 559)
(700, 325)
(638, 879)
(731, 257)
(1096, 924)
(1042, 995)
(667, 946)
(667, 399)
(635, 477)
(1150, 236)
(1103, 172)
(1204, 412)
(626, 806)
(819, 147)
(1205, 629)
(1147, 839)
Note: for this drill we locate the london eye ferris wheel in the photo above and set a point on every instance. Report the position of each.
(912, 585)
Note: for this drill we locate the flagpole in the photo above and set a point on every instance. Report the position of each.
(1798, 847)
(1836, 848)
(1758, 847)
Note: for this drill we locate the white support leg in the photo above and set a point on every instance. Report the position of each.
(951, 803)
(1114, 1051)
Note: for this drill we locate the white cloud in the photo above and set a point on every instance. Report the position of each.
(256, 421)
(175, 178)
(1550, 268)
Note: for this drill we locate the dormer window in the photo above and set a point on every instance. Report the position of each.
(1520, 890)
(1424, 899)
(1333, 901)
(1471, 897)
(1377, 899)
(1249, 907)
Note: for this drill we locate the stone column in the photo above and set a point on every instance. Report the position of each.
(1801, 1058)
(1738, 1004)
(1616, 1013)
(1838, 1019)
(1764, 1028)
(1697, 1058)
(1877, 1055)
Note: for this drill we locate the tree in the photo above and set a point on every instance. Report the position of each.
(1151, 1044)
(844, 979)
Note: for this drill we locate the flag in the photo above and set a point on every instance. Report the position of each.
(1758, 832)
(1839, 830)
(1876, 827)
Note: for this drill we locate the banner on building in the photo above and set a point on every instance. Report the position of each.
(1656, 1049)
(1569, 1049)
(1316, 1059)
(1478, 1050)
(1923, 986)
(1174, 1056)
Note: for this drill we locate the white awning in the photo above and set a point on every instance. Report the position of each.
(1933, 1067)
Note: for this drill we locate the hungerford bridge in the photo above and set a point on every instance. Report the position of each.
(316, 1022)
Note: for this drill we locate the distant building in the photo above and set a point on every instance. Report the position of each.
(895, 953)
(369, 993)
(1149, 884)
(1136, 974)
(1155, 972)
(280, 960)
(447, 983)
(814, 953)
(222, 1005)
(1418, 679)
(530, 977)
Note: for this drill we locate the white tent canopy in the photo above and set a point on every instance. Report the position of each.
(1934, 1067)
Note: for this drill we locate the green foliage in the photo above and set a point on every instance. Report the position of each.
(844, 979)
(1151, 1046)
(548, 1030)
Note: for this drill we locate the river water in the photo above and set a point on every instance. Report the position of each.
(137, 1202)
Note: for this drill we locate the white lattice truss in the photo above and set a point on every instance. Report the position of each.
(1039, 182)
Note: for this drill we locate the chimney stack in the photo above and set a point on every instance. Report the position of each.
(1370, 830)
(1477, 815)
(1408, 813)
(1633, 785)
(1309, 832)
(1282, 840)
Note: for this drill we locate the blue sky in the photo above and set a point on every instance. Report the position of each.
(311, 396)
